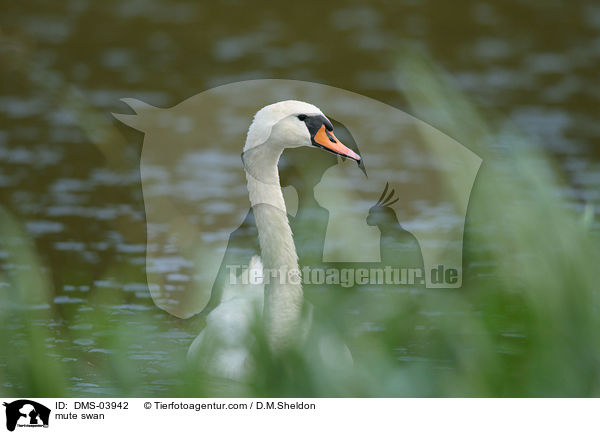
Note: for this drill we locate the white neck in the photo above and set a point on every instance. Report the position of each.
(283, 299)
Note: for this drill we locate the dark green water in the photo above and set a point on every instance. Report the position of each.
(70, 173)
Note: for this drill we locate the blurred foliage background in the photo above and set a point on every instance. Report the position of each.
(514, 81)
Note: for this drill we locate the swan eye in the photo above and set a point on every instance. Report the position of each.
(302, 117)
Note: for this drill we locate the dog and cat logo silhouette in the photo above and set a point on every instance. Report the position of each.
(198, 216)
(26, 413)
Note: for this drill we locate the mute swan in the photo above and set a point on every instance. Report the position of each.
(222, 346)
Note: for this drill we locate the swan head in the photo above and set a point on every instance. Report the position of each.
(292, 124)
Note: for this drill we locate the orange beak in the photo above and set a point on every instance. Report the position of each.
(328, 141)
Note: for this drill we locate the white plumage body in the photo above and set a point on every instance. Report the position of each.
(222, 347)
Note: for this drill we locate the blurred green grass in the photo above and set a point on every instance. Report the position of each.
(525, 322)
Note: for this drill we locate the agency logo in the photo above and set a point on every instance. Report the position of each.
(399, 214)
(25, 413)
